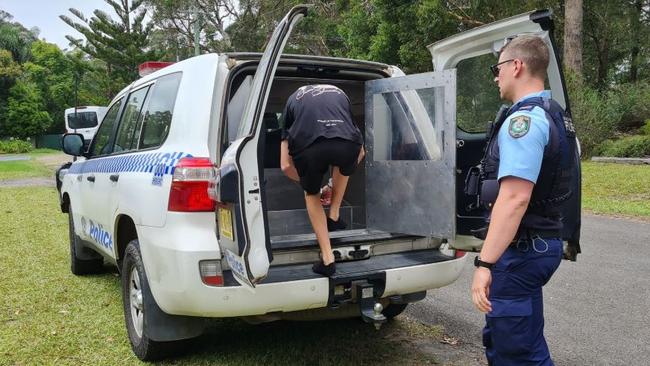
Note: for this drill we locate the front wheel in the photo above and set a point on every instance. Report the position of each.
(135, 291)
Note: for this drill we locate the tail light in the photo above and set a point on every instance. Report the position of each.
(460, 253)
(211, 273)
(189, 190)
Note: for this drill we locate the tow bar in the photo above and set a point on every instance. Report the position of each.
(369, 306)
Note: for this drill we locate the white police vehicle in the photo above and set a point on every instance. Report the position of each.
(181, 187)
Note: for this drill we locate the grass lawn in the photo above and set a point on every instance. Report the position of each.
(616, 189)
(19, 169)
(50, 317)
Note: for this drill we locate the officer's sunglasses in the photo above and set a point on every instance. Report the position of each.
(495, 68)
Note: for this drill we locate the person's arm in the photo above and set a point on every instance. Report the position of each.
(286, 162)
(509, 208)
(521, 149)
(362, 154)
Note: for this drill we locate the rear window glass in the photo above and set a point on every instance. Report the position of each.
(127, 133)
(82, 120)
(405, 126)
(477, 94)
(158, 114)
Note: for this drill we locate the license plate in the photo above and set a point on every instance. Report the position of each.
(225, 223)
(237, 266)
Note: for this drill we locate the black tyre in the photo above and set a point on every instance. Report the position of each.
(83, 261)
(393, 310)
(135, 289)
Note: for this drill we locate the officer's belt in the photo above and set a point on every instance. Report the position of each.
(528, 234)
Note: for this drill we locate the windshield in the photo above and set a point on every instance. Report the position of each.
(82, 120)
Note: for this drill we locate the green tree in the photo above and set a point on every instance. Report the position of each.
(122, 44)
(25, 114)
(15, 38)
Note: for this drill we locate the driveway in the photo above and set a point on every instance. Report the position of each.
(596, 308)
(13, 157)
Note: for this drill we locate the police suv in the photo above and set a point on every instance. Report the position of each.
(181, 187)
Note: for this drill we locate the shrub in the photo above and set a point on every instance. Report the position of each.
(600, 115)
(594, 117)
(646, 128)
(15, 147)
(631, 102)
(626, 147)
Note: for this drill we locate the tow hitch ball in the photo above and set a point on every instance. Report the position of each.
(369, 306)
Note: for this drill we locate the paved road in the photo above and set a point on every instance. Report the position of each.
(597, 309)
(14, 157)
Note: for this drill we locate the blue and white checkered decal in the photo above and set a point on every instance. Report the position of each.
(158, 163)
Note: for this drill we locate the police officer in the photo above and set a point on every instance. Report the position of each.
(319, 133)
(525, 179)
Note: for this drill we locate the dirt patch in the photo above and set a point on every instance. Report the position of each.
(54, 160)
(29, 182)
(443, 349)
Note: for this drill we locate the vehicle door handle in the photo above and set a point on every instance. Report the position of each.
(91, 178)
(114, 177)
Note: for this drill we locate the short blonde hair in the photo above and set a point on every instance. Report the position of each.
(532, 51)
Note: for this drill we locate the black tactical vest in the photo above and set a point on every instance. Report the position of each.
(554, 185)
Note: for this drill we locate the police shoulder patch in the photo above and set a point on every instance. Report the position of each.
(519, 126)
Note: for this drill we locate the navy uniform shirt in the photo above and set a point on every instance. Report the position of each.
(315, 111)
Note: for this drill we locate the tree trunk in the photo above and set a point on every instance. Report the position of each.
(603, 63)
(635, 22)
(573, 36)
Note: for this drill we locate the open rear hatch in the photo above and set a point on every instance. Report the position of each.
(409, 170)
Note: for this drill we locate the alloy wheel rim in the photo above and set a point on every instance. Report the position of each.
(135, 302)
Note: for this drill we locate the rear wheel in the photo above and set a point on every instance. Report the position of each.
(135, 291)
(84, 263)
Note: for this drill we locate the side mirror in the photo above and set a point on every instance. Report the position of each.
(73, 144)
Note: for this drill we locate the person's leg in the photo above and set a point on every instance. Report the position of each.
(319, 224)
(515, 326)
(311, 165)
(339, 184)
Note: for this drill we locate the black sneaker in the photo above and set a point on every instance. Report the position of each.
(325, 270)
(335, 225)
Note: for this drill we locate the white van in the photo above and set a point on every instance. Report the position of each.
(181, 187)
(84, 120)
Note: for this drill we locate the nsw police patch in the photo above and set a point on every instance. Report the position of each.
(519, 126)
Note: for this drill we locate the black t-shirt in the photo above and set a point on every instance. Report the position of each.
(315, 111)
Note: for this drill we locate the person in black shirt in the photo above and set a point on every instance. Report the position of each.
(318, 132)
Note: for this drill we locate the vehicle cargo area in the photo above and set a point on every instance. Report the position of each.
(289, 223)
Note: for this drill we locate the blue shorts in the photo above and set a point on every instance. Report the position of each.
(514, 330)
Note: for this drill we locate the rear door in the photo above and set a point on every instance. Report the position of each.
(410, 141)
(470, 54)
(239, 186)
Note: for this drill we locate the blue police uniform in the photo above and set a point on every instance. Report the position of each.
(529, 144)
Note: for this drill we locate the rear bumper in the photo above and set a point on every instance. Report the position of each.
(177, 288)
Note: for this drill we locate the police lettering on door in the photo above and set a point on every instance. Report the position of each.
(99, 235)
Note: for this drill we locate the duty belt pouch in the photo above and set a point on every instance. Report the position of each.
(489, 192)
(472, 181)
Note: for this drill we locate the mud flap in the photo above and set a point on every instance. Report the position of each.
(163, 327)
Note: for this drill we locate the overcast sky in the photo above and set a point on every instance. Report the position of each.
(44, 14)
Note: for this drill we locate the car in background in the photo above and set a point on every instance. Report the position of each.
(84, 120)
